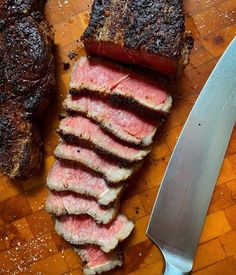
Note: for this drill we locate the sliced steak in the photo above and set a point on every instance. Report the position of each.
(96, 260)
(120, 121)
(62, 203)
(148, 33)
(111, 170)
(106, 78)
(71, 177)
(83, 229)
(81, 130)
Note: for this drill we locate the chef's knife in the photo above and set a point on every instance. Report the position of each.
(184, 196)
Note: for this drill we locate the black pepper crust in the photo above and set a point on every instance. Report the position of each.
(154, 26)
(29, 64)
(20, 143)
(97, 17)
(27, 82)
(20, 8)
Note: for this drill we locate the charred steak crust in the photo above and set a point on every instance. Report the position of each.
(154, 26)
(19, 154)
(21, 8)
(146, 26)
(29, 66)
(165, 22)
(27, 81)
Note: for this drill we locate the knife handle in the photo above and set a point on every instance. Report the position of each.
(172, 270)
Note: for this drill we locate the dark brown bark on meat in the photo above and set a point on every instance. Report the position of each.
(26, 84)
(144, 32)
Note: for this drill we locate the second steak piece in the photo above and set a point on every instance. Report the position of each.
(20, 142)
(149, 33)
(79, 129)
(27, 81)
(120, 84)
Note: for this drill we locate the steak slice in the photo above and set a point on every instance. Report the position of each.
(83, 229)
(111, 170)
(147, 33)
(121, 122)
(106, 78)
(71, 177)
(62, 203)
(26, 84)
(96, 260)
(81, 130)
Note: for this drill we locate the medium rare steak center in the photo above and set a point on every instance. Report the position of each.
(112, 113)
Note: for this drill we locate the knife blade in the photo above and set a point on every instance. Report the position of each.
(183, 199)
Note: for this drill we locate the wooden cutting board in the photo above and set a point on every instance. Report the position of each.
(28, 242)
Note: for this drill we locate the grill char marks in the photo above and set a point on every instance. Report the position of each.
(148, 33)
(26, 84)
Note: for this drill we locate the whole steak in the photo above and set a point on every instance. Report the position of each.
(149, 33)
(26, 84)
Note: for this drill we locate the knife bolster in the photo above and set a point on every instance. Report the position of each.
(176, 264)
(172, 270)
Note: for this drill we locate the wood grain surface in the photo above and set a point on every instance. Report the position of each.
(28, 242)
